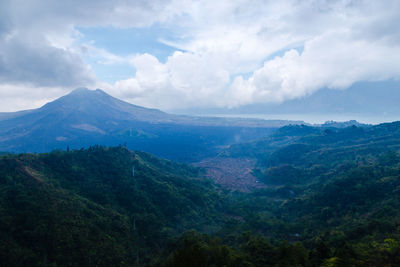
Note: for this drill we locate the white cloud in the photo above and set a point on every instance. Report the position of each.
(38, 38)
(185, 79)
(336, 49)
(41, 65)
(28, 57)
(232, 53)
(15, 97)
(335, 60)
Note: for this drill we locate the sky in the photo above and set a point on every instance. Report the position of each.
(180, 54)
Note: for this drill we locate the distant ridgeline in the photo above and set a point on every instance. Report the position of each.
(332, 198)
(85, 117)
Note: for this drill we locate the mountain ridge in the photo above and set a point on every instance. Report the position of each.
(89, 117)
(83, 96)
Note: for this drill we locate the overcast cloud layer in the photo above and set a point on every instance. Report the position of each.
(228, 53)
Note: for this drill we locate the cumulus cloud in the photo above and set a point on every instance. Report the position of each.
(28, 59)
(39, 28)
(228, 53)
(185, 79)
(15, 97)
(38, 44)
(41, 65)
(319, 44)
(334, 60)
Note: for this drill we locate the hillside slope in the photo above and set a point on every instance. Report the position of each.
(326, 179)
(97, 207)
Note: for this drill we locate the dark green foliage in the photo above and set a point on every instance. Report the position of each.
(42, 224)
(193, 249)
(261, 252)
(284, 174)
(198, 250)
(332, 199)
(85, 207)
(336, 190)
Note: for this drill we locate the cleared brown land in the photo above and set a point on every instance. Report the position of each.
(232, 173)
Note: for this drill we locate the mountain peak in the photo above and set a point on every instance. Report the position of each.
(91, 97)
(100, 106)
(80, 90)
(86, 91)
(81, 97)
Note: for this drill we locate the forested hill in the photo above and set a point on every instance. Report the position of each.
(302, 144)
(97, 207)
(338, 186)
(331, 198)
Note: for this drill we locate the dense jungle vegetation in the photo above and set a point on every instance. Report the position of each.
(332, 198)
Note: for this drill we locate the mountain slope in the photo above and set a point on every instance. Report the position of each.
(84, 117)
(97, 207)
